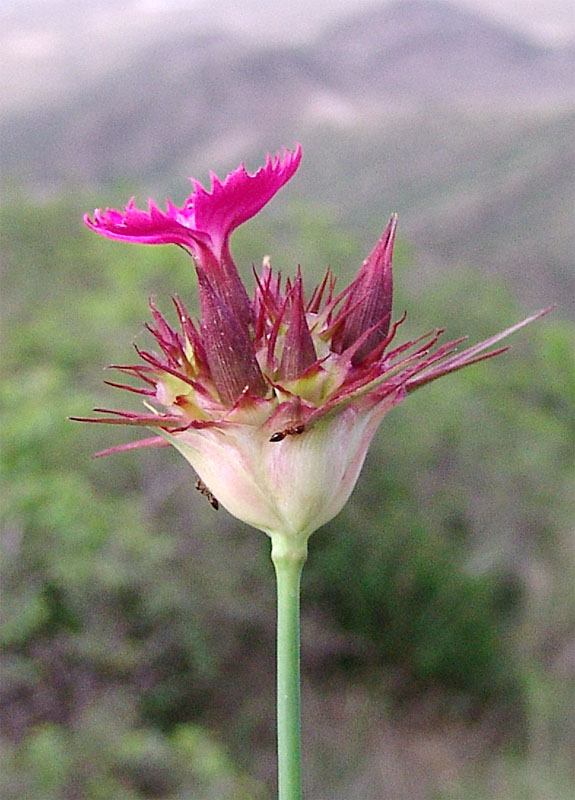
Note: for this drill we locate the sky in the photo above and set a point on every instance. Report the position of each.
(548, 21)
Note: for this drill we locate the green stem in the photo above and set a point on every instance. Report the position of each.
(288, 558)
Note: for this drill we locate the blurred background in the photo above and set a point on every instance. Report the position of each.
(137, 626)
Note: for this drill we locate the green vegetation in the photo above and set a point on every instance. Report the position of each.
(137, 624)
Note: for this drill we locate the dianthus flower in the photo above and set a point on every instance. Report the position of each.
(274, 401)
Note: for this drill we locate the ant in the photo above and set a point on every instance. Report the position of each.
(203, 489)
(292, 431)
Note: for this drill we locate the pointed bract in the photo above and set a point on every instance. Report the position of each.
(371, 298)
(298, 351)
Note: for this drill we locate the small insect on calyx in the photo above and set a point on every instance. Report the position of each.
(292, 431)
(203, 489)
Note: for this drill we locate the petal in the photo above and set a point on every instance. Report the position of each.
(240, 196)
(146, 227)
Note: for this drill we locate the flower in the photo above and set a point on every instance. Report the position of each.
(274, 401)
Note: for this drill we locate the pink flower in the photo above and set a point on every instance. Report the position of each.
(205, 222)
(273, 401)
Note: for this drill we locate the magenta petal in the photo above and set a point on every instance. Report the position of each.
(146, 227)
(240, 196)
(206, 219)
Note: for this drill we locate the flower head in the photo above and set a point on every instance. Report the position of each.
(274, 401)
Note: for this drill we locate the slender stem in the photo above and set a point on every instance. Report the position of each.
(288, 562)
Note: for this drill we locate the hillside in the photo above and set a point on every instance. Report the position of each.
(460, 124)
(202, 92)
